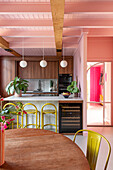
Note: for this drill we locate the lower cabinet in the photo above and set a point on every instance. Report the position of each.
(70, 117)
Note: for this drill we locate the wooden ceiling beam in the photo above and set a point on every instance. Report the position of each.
(57, 8)
(5, 45)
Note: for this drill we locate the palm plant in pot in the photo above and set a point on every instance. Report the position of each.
(16, 86)
(73, 88)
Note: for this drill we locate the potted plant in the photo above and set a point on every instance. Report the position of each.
(73, 88)
(16, 86)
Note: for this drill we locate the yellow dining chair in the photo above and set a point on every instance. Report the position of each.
(93, 145)
(31, 111)
(12, 104)
(48, 111)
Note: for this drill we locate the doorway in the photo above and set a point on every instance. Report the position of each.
(98, 93)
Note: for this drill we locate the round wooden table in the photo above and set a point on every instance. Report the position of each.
(35, 149)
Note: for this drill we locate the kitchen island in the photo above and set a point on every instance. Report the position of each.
(69, 110)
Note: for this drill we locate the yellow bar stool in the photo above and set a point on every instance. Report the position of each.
(48, 111)
(12, 104)
(31, 111)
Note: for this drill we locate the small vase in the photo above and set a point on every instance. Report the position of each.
(2, 147)
(75, 94)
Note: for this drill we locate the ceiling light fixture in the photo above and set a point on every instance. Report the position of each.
(63, 63)
(23, 63)
(43, 63)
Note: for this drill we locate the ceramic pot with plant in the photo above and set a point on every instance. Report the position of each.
(73, 88)
(16, 86)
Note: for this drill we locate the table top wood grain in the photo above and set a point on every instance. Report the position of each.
(35, 149)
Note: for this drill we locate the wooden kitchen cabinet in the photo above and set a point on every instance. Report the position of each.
(35, 71)
(69, 68)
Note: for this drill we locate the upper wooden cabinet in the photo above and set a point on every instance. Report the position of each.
(69, 68)
(35, 71)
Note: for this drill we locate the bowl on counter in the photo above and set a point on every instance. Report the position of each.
(66, 94)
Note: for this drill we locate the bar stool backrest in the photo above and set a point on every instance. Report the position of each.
(12, 104)
(31, 111)
(49, 104)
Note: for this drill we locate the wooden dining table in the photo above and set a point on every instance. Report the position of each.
(36, 149)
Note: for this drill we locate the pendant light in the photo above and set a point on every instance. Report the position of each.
(63, 63)
(43, 63)
(23, 63)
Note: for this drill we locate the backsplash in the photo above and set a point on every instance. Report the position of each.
(42, 85)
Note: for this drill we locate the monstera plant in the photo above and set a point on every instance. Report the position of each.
(16, 86)
(73, 88)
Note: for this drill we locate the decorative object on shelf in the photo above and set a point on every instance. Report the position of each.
(23, 63)
(17, 85)
(51, 85)
(63, 63)
(66, 94)
(73, 88)
(43, 63)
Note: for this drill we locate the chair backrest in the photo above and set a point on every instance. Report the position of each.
(29, 104)
(51, 104)
(93, 145)
(9, 104)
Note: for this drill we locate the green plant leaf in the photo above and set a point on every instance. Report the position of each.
(17, 90)
(73, 87)
(16, 85)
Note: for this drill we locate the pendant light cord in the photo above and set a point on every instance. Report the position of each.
(63, 52)
(23, 49)
(43, 50)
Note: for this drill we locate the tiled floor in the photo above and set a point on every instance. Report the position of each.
(95, 114)
(108, 133)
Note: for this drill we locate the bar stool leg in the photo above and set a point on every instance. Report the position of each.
(26, 120)
(56, 121)
(17, 121)
(39, 119)
(36, 120)
(22, 121)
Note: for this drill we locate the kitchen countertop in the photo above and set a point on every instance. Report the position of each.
(41, 92)
(31, 97)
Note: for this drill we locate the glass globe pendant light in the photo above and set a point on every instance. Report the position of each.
(63, 63)
(23, 63)
(43, 63)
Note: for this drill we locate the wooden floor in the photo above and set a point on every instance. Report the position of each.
(108, 133)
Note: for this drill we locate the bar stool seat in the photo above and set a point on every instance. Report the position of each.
(48, 111)
(30, 111)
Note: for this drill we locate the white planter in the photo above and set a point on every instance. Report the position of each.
(18, 95)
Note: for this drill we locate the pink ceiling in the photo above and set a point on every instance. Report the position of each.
(30, 21)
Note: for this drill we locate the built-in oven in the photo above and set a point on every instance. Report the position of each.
(64, 81)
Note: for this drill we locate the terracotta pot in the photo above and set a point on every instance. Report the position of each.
(18, 95)
(2, 147)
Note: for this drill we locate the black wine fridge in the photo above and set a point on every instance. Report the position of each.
(70, 117)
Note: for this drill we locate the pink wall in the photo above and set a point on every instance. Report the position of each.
(101, 49)
(80, 70)
(95, 89)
